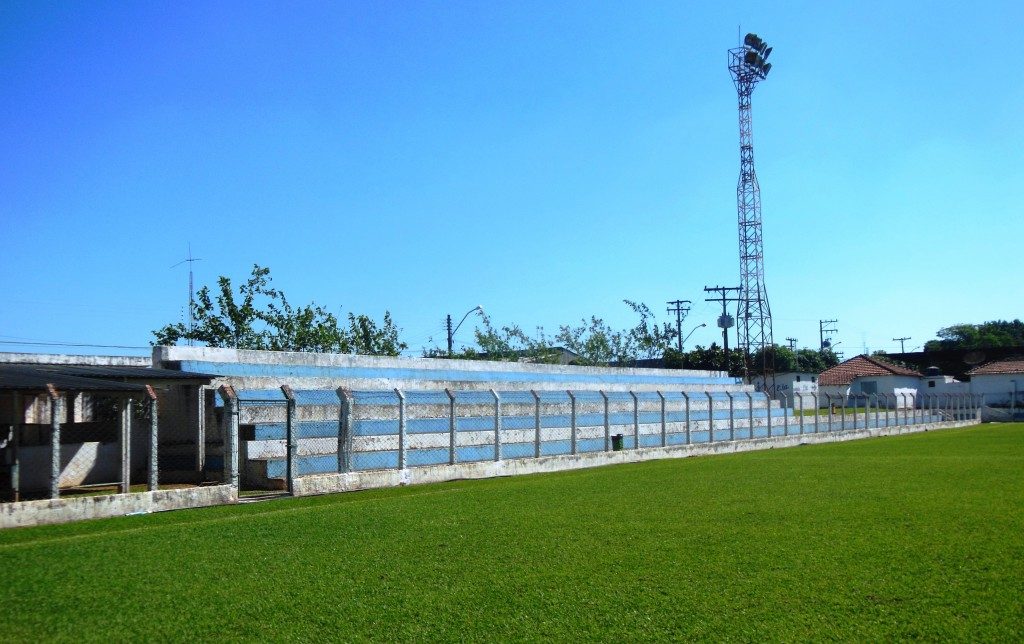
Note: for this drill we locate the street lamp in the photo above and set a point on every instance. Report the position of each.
(451, 331)
(688, 336)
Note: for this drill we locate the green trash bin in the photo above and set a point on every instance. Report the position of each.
(617, 442)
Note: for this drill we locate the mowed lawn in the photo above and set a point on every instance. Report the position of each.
(919, 536)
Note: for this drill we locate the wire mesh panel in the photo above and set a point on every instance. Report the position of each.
(590, 427)
(518, 424)
(675, 418)
(262, 444)
(476, 425)
(648, 427)
(428, 428)
(376, 437)
(317, 427)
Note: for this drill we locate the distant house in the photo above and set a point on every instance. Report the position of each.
(791, 385)
(1001, 382)
(869, 375)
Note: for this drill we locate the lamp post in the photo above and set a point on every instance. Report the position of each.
(681, 344)
(452, 332)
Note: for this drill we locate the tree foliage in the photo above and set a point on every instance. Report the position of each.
(987, 335)
(261, 317)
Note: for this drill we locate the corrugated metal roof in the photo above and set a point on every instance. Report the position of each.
(32, 379)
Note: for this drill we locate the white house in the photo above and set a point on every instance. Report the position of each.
(865, 375)
(791, 385)
(1001, 382)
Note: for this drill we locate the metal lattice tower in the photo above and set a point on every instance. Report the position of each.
(748, 66)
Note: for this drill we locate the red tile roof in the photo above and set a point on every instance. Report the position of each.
(844, 372)
(1010, 365)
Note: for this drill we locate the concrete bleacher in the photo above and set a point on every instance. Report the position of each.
(527, 393)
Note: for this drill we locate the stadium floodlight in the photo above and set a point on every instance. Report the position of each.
(766, 53)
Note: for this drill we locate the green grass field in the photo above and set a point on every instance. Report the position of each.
(918, 536)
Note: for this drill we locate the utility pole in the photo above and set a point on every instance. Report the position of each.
(824, 326)
(680, 308)
(725, 320)
(792, 343)
(901, 341)
(449, 325)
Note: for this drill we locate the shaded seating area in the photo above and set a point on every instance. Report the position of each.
(74, 429)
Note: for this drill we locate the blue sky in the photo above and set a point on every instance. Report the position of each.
(545, 160)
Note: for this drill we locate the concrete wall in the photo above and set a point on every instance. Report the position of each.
(75, 359)
(998, 388)
(49, 511)
(271, 369)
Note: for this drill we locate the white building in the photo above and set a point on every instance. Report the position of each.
(895, 386)
(791, 385)
(1001, 382)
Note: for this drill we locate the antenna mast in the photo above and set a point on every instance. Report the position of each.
(748, 65)
(191, 292)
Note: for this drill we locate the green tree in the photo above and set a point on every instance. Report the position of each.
(650, 339)
(987, 335)
(261, 317)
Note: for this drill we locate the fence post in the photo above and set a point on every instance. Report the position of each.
(842, 410)
(56, 407)
(785, 414)
(817, 412)
(572, 422)
(732, 417)
(664, 429)
(607, 422)
(800, 397)
(126, 445)
(536, 426)
(750, 413)
(451, 427)
(345, 430)
(828, 397)
(154, 483)
(199, 400)
(686, 405)
(497, 425)
(711, 418)
(227, 392)
(291, 441)
(636, 419)
(401, 428)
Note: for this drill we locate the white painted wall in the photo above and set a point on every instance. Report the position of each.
(998, 388)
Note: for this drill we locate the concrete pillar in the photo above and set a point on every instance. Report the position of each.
(452, 429)
(768, 414)
(56, 404)
(401, 428)
(17, 420)
(537, 428)
(828, 397)
(198, 421)
(497, 425)
(750, 413)
(291, 440)
(800, 397)
(842, 411)
(636, 419)
(785, 414)
(732, 417)
(686, 411)
(607, 423)
(345, 429)
(664, 428)
(126, 445)
(227, 393)
(154, 463)
(711, 417)
(572, 422)
(817, 414)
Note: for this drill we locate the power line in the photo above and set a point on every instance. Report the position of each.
(725, 320)
(824, 326)
(901, 341)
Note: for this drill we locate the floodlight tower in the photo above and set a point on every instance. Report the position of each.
(748, 65)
